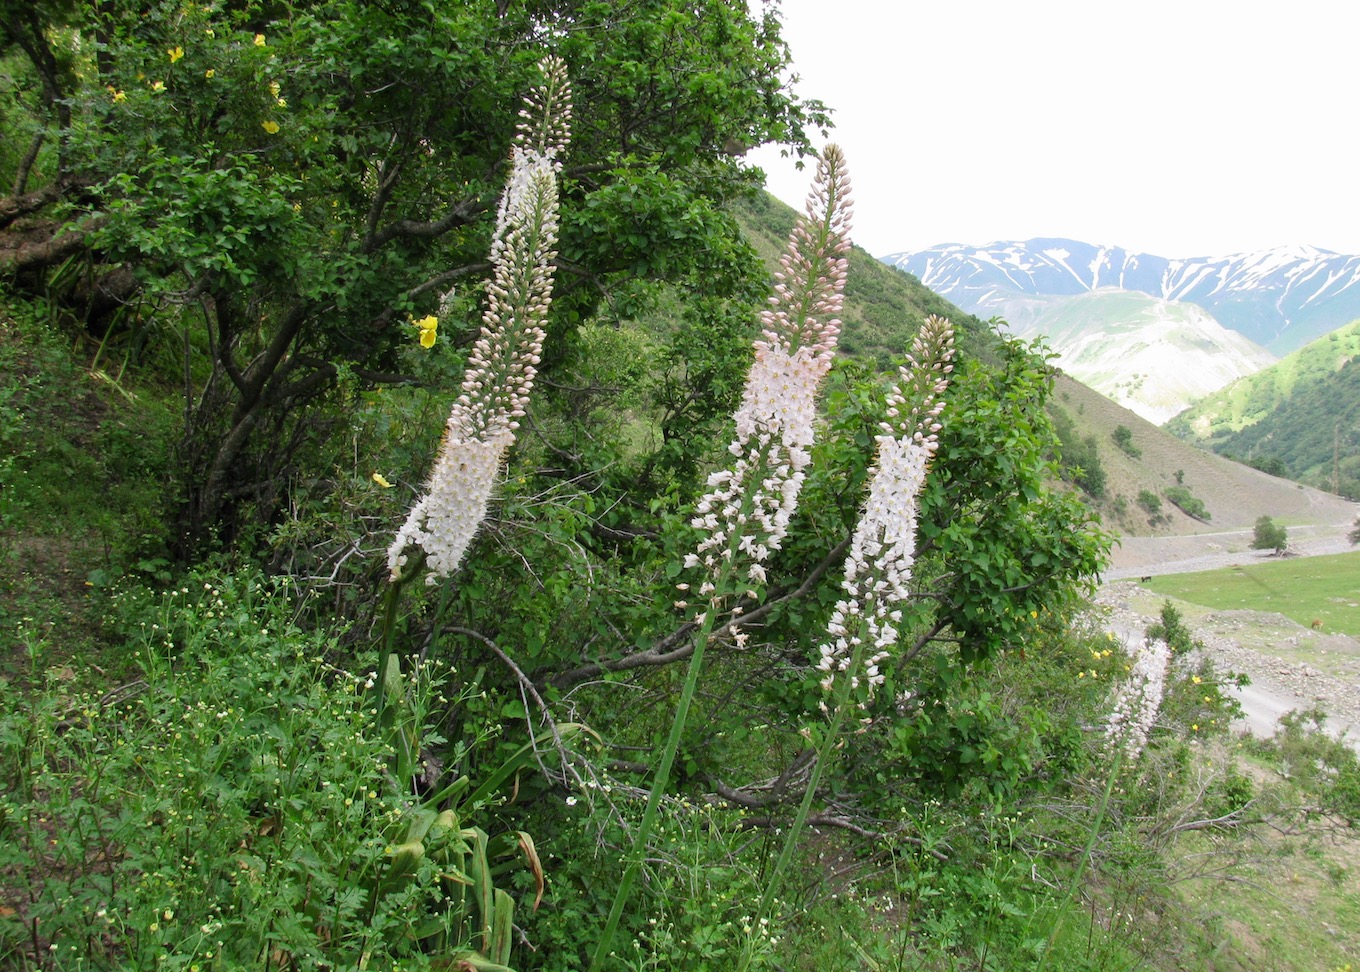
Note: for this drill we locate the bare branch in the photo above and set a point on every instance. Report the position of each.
(675, 646)
(528, 689)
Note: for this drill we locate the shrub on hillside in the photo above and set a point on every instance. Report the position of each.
(1269, 535)
(1187, 502)
(1124, 439)
(1151, 504)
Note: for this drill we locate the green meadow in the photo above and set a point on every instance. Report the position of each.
(1304, 589)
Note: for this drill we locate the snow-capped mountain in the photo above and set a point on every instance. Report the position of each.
(1281, 298)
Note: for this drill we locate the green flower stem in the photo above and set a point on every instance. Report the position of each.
(1085, 859)
(824, 754)
(662, 778)
(389, 629)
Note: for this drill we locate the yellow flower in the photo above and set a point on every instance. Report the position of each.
(259, 40)
(429, 327)
(157, 85)
(209, 73)
(175, 54)
(1081, 674)
(274, 88)
(1195, 727)
(1034, 614)
(1196, 679)
(282, 102)
(209, 32)
(272, 127)
(118, 96)
(381, 481)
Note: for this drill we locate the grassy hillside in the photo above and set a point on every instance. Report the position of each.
(1148, 354)
(1296, 418)
(1234, 495)
(1250, 399)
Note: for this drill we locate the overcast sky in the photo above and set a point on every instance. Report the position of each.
(1185, 128)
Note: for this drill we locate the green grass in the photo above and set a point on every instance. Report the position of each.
(1305, 590)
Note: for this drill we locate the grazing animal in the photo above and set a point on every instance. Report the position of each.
(1316, 625)
(1144, 580)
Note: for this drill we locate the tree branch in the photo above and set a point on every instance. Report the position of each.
(19, 251)
(26, 164)
(459, 215)
(527, 688)
(665, 651)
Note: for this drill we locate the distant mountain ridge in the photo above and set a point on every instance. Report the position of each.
(1280, 298)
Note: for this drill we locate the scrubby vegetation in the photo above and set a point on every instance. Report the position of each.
(1187, 502)
(243, 262)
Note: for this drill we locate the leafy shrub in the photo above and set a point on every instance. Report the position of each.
(1325, 766)
(1228, 793)
(1123, 438)
(1172, 629)
(1269, 535)
(1187, 502)
(1150, 503)
(1079, 460)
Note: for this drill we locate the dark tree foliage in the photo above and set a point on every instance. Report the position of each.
(300, 178)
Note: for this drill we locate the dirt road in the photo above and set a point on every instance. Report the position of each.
(1143, 556)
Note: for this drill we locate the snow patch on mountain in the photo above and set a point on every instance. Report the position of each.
(1280, 298)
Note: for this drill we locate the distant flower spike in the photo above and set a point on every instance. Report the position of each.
(504, 360)
(749, 505)
(1137, 701)
(883, 548)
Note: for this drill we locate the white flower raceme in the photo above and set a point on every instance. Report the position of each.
(501, 369)
(749, 505)
(883, 547)
(1137, 700)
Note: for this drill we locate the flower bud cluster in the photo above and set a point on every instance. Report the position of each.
(810, 282)
(545, 120)
(883, 547)
(503, 364)
(749, 505)
(1137, 701)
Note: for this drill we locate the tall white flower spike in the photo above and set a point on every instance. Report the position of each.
(501, 369)
(749, 505)
(883, 548)
(1137, 701)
